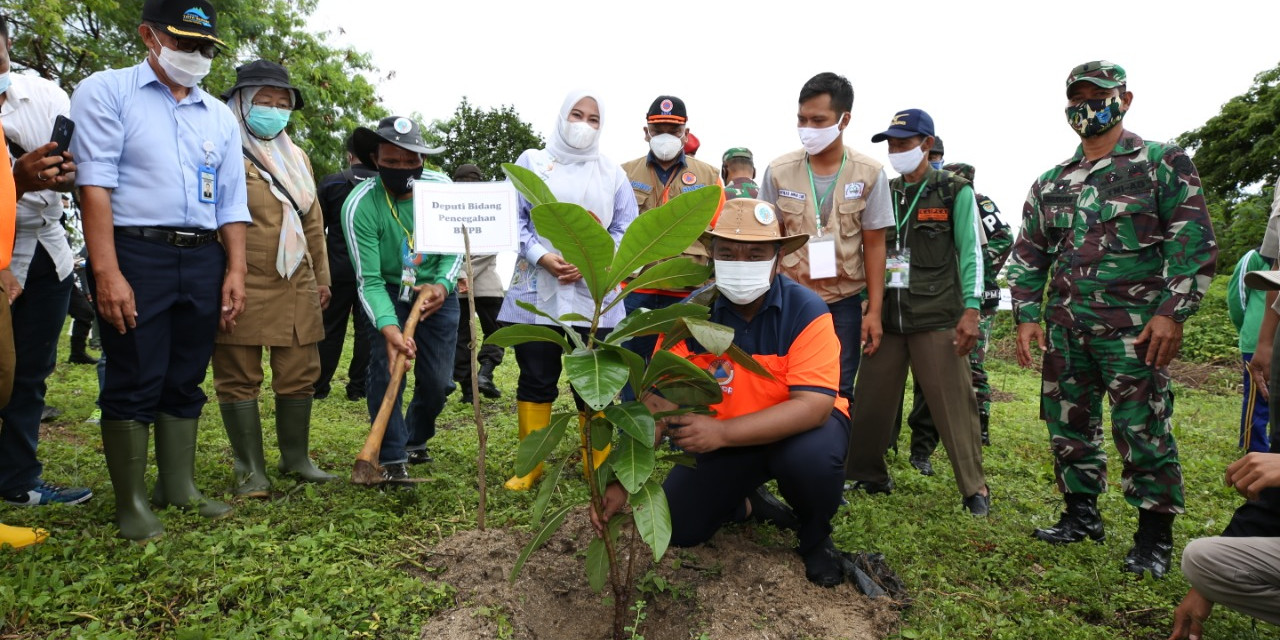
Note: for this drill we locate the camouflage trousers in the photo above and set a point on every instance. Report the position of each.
(1079, 368)
(977, 365)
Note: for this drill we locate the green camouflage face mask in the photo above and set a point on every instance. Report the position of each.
(1093, 117)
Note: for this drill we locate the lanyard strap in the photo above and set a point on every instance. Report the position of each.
(902, 220)
(395, 214)
(817, 211)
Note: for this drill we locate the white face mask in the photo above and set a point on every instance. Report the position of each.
(815, 141)
(665, 146)
(579, 135)
(186, 69)
(907, 161)
(743, 282)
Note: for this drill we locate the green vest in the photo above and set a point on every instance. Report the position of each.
(933, 300)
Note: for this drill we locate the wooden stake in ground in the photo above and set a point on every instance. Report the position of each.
(481, 438)
(366, 470)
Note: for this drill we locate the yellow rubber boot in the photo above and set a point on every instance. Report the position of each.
(597, 457)
(19, 537)
(531, 416)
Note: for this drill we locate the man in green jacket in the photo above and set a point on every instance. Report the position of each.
(378, 222)
(933, 291)
(1246, 307)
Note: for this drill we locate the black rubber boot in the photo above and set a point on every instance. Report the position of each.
(176, 461)
(1081, 520)
(1152, 544)
(244, 430)
(485, 381)
(984, 419)
(293, 432)
(124, 443)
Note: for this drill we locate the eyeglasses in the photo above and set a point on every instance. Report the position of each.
(205, 48)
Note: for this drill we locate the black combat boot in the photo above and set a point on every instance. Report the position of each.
(984, 419)
(1080, 520)
(1152, 544)
(485, 381)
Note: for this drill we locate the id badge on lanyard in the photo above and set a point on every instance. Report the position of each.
(208, 178)
(408, 274)
(897, 269)
(822, 257)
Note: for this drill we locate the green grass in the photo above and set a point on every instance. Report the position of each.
(340, 561)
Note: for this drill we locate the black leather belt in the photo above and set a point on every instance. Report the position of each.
(175, 237)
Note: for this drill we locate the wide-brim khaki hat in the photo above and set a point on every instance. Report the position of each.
(747, 220)
(1264, 280)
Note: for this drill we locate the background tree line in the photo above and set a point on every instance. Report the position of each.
(67, 41)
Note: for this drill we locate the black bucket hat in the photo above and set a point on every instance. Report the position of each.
(263, 73)
(398, 130)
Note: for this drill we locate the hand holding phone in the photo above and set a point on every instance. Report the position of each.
(63, 127)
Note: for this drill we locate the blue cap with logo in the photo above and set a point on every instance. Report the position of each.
(906, 124)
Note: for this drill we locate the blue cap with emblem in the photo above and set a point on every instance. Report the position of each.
(906, 124)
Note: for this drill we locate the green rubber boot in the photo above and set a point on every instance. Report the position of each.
(293, 434)
(244, 430)
(124, 443)
(176, 460)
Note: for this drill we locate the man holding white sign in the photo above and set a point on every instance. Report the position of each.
(379, 221)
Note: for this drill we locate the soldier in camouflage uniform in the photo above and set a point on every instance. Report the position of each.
(999, 242)
(1120, 236)
(738, 171)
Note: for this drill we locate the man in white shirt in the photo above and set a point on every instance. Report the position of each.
(39, 281)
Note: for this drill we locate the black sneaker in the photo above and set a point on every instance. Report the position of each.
(419, 456)
(320, 395)
(81, 357)
(354, 395)
(871, 488)
(49, 413)
(978, 504)
(765, 507)
(922, 465)
(396, 473)
(823, 565)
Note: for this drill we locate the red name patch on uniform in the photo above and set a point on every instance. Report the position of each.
(935, 215)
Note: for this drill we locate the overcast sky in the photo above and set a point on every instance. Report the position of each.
(990, 73)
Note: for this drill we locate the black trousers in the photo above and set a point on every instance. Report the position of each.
(344, 303)
(487, 309)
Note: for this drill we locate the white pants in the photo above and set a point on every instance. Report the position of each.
(1238, 573)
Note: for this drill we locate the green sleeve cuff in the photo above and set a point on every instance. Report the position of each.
(972, 303)
(1026, 313)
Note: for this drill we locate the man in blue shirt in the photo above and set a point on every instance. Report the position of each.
(161, 180)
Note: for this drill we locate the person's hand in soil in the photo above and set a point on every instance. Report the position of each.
(615, 497)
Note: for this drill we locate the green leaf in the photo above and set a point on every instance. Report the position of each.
(667, 367)
(715, 338)
(597, 375)
(654, 321)
(521, 333)
(652, 516)
(597, 564)
(580, 239)
(633, 463)
(545, 534)
(633, 419)
(539, 444)
(528, 184)
(601, 434)
(676, 273)
(664, 232)
(744, 359)
(574, 317)
(635, 363)
(546, 489)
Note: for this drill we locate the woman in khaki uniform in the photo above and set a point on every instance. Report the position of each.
(286, 287)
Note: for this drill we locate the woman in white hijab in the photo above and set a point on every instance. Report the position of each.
(286, 287)
(574, 170)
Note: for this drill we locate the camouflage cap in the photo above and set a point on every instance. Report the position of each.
(737, 152)
(1107, 75)
(961, 169)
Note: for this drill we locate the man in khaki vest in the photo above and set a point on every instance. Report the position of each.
(931, 301)
(662, 174)
(838, 197)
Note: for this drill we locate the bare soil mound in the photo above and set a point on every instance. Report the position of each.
(731, 587)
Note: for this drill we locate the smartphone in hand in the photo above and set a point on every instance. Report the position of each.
(63, 127)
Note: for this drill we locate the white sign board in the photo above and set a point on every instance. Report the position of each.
(488, 210)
